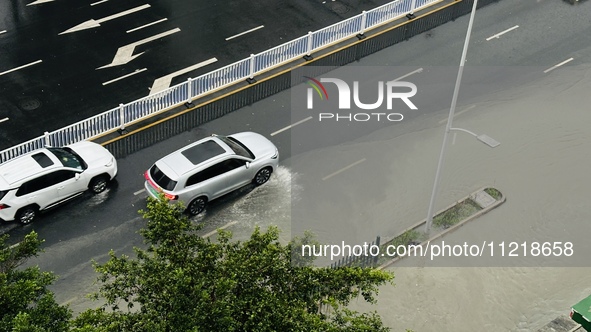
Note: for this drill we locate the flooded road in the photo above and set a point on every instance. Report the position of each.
(542, 167)
(249, 207)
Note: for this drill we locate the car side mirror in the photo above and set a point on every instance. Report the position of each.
(77, 176)
(247, 164)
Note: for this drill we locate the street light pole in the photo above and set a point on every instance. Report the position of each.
(449, 121)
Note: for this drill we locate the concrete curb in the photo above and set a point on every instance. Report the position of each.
(449, 230)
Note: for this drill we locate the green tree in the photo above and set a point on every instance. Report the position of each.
(183, 282)
(26, 304)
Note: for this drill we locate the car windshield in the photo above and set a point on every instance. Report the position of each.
(2, 193)
(237, 147)
(161, 179)
(69, 158)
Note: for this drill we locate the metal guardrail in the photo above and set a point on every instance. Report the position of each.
(119, 117)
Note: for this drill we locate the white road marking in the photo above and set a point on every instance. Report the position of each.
(139, 192)
(163, 83)
(38, 2)
(558, 65)
(69, 301)
(291, 126)
(98, 2)
(146, 25)
(92, 23)
(502, 33)
(3, 120)
(223, 227)
(343, 169)
(411, 73)
(245, 32)
(21, 67)
(3, 31)
(137, 71)
(458, 113)
(125, 53)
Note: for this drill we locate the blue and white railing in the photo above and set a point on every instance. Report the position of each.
(193, 88)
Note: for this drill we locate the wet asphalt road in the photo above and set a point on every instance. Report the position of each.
(88, 227)
(60, 83)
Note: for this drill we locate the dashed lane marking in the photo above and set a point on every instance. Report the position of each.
(501, 33)
(69, 301)
(343, 169)
(137, 71)
(558, 65)
(98, 2)
(21, 67)
(146, 25)
(223, 227)
(245, 32)
(290, 126)
(411, 73)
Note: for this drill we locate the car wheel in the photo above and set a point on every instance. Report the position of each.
(98, 184)
(197, 206)
(262, 176)
(26, 215)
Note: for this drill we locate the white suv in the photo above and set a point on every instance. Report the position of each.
(46, 177)
(212, 167)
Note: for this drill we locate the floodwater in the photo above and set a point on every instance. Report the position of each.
(542, 166)
(264, 206)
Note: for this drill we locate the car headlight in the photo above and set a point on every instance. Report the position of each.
(110, 163)
(275, 155)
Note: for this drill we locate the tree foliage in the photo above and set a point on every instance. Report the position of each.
(183, 282)
(26, 304)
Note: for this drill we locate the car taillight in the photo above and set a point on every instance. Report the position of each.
(167, 195)
(4, 206)
(147, 177)
(170, 196)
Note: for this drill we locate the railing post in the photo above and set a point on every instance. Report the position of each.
(308, 55)
(189, 102)
(250, 78)
(121, 118)
(361, 35)
(46, 134)
(413, 6)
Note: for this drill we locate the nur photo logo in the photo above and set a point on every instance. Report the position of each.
(389, 91)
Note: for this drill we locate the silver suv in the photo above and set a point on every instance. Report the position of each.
(212, 167)
(46, 177)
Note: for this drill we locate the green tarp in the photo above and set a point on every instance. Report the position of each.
(581, 313)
